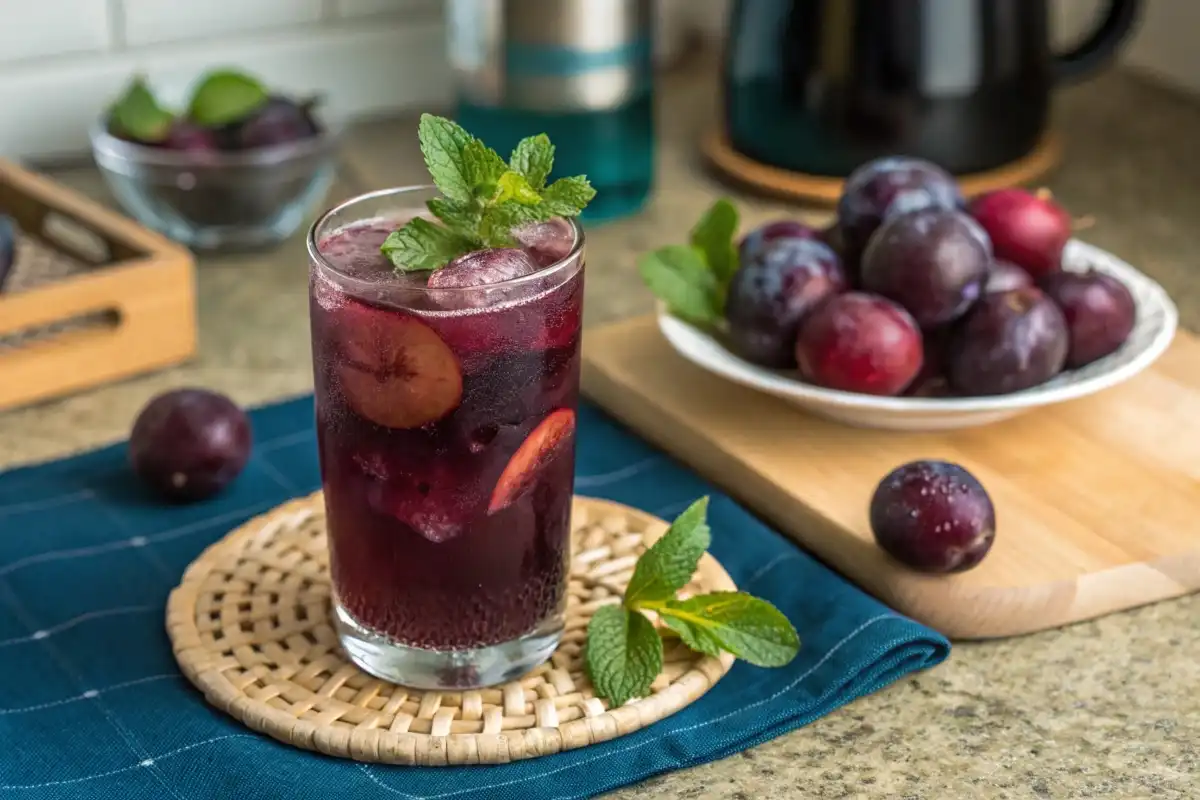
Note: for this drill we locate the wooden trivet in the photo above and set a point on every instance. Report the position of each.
(250, 626)
(824, 191)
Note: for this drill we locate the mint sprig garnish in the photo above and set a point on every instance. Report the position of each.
(693, 279)
(483, 197)
(624, 652)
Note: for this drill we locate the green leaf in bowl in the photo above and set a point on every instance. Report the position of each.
(138, 115)
(225, 96)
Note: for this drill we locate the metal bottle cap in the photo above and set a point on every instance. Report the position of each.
(551, 55)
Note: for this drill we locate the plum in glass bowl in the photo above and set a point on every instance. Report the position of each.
(240, 168)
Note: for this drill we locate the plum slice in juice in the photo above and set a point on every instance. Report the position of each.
(446, 435)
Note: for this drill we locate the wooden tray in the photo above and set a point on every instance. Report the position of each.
(1097, 500)
(93, 296)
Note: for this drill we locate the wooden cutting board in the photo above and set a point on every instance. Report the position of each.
(1097, 500)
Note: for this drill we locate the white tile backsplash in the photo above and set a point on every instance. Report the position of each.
(63, 61)
(37, 28)
(154, 21)
(367, 8)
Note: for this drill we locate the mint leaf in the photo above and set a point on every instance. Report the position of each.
(533, 157)
(462, 218)
(567, 197)
(421, 245)
(484, 168)
(678, 275)
(669, 563)
(497, 223)
(443, 144)
(747, 627)
(225, 96)
(624, 654)
(514, 186)
(138, 115)
(713, 235)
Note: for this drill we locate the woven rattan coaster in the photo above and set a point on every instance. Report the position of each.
(250, 626)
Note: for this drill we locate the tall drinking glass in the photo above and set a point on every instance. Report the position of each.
(446, 430)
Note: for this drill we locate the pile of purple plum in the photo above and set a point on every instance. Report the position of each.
(914, 291)
(228, 111)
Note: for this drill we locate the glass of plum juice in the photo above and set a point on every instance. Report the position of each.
(445, 417)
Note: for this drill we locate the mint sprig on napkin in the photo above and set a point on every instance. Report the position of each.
(693, 279)
(484, 197)
(624, 649)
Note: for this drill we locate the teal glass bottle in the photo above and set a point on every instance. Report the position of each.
(580, 71)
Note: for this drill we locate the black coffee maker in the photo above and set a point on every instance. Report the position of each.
(820, 86)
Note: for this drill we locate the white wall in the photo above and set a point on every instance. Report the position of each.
(1165, 44)
(62, 61)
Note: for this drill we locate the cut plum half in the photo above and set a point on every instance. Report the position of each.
(395, 370)
(538, 449)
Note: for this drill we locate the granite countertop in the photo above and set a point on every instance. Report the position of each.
(1101, 709)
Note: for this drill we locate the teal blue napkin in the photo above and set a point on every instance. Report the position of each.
(93, 705)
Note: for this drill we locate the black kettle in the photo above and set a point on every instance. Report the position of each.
(820, 86)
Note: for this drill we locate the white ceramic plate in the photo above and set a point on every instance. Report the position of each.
(1155, 327)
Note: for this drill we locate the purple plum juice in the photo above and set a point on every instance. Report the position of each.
(446, 431)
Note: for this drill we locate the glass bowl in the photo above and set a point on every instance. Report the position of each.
(219, 200)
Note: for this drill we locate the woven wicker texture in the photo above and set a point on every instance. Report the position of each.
(38, 264)
(250, 627)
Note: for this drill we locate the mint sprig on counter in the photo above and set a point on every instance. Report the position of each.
(484, 198)
(624, 649)
(693, 279)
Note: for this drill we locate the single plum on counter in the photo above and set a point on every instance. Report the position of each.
(934, 262)
(933, 516)
(1030, 230)
(1005, 276)
(189, 444)
(772, 291)
(1099, 310)
(1010, 341)
(861, 343)
(886, 187)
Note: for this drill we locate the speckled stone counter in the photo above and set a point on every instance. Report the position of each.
(1102, 709)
